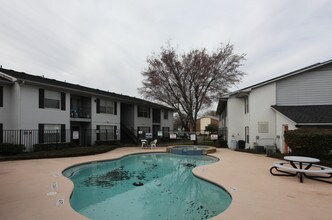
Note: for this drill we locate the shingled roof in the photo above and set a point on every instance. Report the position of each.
(310, 114)
(52, 82)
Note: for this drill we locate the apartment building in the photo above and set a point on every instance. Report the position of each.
(46, 110)
(260, 114)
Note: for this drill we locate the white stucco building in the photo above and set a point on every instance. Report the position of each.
(43, 110)
(261, 113)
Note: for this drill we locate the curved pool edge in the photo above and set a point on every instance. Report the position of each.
(199, 172)
(97, 160)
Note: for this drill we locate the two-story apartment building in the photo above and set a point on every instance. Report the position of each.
(42, 110)
(260, 114)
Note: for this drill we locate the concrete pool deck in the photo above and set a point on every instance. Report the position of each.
(256, 194)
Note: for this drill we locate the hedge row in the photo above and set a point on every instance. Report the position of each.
(52, 146)
(10, 149)
(309, 142)
(112, 142)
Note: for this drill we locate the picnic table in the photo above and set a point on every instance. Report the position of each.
(298, 165)
(294, 160)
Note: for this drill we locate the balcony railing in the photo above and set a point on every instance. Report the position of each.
(79, 114)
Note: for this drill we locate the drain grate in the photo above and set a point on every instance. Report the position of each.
(60, 202)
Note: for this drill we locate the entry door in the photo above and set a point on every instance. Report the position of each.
(155, 129)
(284, 130)
(75, 134)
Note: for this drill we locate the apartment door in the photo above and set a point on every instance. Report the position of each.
(75, 134)
(155, 129)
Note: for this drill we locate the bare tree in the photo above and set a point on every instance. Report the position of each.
(210, 113)
(180, 122)
(191, 81)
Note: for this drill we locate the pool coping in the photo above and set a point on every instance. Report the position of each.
(206, 151)
(256, 194)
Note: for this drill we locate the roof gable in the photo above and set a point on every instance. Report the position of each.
(327, 65)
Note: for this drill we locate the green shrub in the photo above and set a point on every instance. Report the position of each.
(112, 142)
(222, 143)
(309, 142)
(10, 149)
(52, 146)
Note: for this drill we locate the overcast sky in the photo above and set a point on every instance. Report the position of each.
(104, 43)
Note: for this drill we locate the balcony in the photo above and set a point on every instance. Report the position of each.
(80, 108)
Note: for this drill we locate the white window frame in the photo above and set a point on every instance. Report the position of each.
(52, 133)
(106, 106)
(52, 99)
(143, 112)
(165, 115)
(106, 129)
(246, 104)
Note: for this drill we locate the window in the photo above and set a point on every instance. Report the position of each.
(263, 127)
(106, 132)
(166, 132)
(246, 131)
(52, 99)
(142, 130)
(143, 112)
(52, 133)
(106, 106)
(1, 96)
(1, 133)
(246, 104)
(165, 114)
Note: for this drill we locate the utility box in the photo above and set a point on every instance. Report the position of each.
(233, 144)
(270, 150)
(241, 144)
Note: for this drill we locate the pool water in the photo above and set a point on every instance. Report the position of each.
(146, 186)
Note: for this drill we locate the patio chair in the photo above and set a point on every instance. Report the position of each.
(154, 144)
(144, 143)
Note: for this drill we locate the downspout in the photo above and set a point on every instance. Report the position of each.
(20, 83)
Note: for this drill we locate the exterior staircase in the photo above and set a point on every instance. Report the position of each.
(128, 136)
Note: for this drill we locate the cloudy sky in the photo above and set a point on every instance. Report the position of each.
(104, 43)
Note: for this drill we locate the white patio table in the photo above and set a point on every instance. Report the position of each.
(309, 161)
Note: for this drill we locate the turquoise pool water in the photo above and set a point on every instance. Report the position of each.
(146, 186)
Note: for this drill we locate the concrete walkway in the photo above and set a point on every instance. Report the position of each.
(256, 194)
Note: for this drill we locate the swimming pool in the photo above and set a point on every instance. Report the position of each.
(146, 186)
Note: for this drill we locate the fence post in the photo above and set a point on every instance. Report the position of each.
(20, 137)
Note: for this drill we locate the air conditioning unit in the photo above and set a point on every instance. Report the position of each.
(270, 150)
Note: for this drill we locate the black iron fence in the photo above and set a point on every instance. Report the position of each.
(30, 138)
(86, 137)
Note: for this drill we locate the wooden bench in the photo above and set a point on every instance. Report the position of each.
(285, 169)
